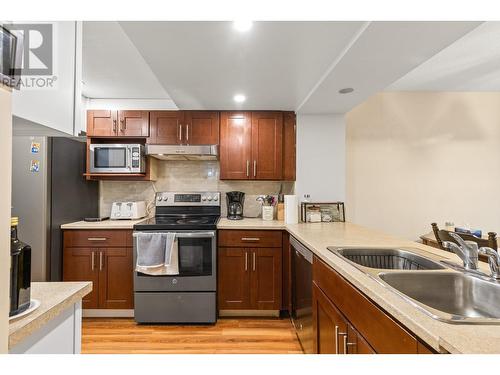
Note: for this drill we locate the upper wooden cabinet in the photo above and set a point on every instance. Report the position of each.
(184, 127)
(165, 127)
(289, 146)
(106, 123)
(267, 146)
(251, 146)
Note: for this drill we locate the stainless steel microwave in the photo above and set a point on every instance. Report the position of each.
(117, 158)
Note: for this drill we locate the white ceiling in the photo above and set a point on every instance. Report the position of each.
(277, 65)
(112, 66)
(472, 63)
(204, 64)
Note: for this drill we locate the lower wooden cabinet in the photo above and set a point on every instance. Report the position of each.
(109, 266)
(345, 321)
(249, 278)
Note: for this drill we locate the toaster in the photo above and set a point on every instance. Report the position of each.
(128, 210)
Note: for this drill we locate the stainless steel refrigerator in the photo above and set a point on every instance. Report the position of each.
(49, 189)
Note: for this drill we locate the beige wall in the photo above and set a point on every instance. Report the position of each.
(413, 158)
(5, 193)
(189, 176)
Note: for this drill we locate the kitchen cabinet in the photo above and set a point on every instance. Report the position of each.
(267, 147)
(184, 127)
(251, 145)
(289, 146)
(107, 123)
(346, 321)
(249, 273)
(105, 258)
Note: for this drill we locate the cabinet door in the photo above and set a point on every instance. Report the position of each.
(329, 326)
(80, 264)
(166, 127)
(267, 145)
(201, 127)
(235, 145)
(115, 278)
(133, 123)
(354, 343)
(266, 279)
(289, 146)
(102, 123)
(233, 279)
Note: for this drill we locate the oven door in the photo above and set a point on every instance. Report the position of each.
(197, 265)
(110, 158)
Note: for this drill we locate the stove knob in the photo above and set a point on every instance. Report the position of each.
(209, 198)
(165, 199)
(159, 199)
(203, 198)
(216, 198)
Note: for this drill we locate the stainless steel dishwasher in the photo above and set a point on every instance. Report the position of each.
(302, 259)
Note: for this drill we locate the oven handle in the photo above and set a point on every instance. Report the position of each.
(185, 235)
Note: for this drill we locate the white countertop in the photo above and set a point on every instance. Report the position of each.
(55, 297)
(106, 224)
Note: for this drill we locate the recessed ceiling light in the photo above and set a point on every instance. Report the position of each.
(346, 90)
(242, 25)
(239, 98)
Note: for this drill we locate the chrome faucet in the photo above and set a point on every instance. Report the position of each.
(493, 261)
(468, 251)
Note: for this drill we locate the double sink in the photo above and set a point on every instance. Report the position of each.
(444, 294)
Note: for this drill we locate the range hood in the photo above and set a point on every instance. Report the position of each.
(178, 152)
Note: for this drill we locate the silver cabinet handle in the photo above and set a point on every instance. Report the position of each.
(96, 238)
(246, 261)
(100, 260)
(255, 168)
(336, 339)
(250, 239)
(93, 260)
(248, 168)
(114, 126)
(123, 125)
(253, 254)
(187, 132)
(345, 340)
(180, 132)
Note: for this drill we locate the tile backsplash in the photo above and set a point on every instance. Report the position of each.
(188, 176)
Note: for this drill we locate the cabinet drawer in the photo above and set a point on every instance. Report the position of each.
(97, 238)
(250, 238)
(384, 334)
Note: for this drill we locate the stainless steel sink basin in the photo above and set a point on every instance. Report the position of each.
(449, 296)
(388, 259)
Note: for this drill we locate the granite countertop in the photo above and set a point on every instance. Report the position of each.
(106, 224)
(453, 338)
(54, 297)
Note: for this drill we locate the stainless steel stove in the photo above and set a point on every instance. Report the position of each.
(190, 296)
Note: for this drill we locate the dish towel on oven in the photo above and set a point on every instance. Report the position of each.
(157, 254)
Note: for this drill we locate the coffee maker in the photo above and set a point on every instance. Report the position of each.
(235, 200)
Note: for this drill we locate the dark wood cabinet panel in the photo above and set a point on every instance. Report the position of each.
(287, 274)
(201, 127)
(289, 146)
(235, 145)
(80, 264)
(383, 334)
(329, 326)
(116, 278)
(101, 123)
(267, 145)
(165, 127)
(105, 258)
(233, 278)
(250, 238)
(133, 124)
(266, 279)
(355, 343)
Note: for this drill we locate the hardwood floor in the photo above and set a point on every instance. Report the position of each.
(237, 336)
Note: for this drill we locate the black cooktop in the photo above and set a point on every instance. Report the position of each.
(179, 222)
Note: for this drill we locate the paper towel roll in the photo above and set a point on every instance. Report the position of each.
(291, 209)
